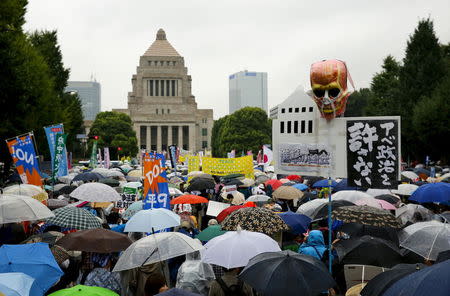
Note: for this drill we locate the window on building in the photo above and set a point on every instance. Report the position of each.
(290, 110)
(151, 88)
(289, 127)
(174, 63)
(311, 109)
(303, 109)
(173, 88)
(296, 127)
(168, 111)
(281, 127)
(283, 110)
(162, 111)
(156, 87)
(310, 126)
(149, 63)
(161, 63)
(162, 88)
(168, 63)
(156, 111)
(297, 109)
(204, 131)
(302, 127)
(167, 87)
(204, 144)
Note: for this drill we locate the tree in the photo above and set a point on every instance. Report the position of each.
(216, 144)
(357, 103)
(73, 121)
(246, 129)
(114, 130)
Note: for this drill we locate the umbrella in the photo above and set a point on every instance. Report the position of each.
(358, 230)
(295, 178)
(376, 203)
(132, 184)
(202, 176)
(194, 173)
(321, 211)
(95, 192)
(255, 219)
(413, 213)
(97, 240)
(86, 177)
(297, 222)
(247, 182)
(368, 250)
(233, 176)
(432, 280)
(381, 282)
(229, 182)
(343, 185)
(350, 195)
(152, 220)
(274, 183)
(110, 182)
(442, 256)
(287, 193)
(174, 191)
(177, 292)
(75, 218)
(300, 186)
(15, 284)
(18, 208)
(390, 198)
(34, 260)
(68, 178)
(422, 171)
(287, 273)
(433, 192)
(258, 197)
(405, 189)
(188, 199)
(324, 183)
(366, 215)
(225, 212)
(200, 184)
(80, 290)
(132, 209)
(135, 173)
(33, 191)
(375, 191)
(236, 248)
(261, 179)
(309, 207)
(67, 189)
(156, 247)
(210, 232)
(310, 180)
(410, 175)
(47, 237)
(427, 239)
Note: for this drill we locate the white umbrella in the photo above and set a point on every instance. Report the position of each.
(132, 184)
(23, 189)
(174, 191)
(114, 173)
(375, 192)
(405, 189)
(410, 175)
(15, 283)
(194, 173)
(68, 178)
(18, 208)
(369, 201)
(350, 195)
(156, 247)
(152, 220)
(258, 197)
(309, 207)
(427, 239)
(236, 248)
(101, 171)
(95, 192)
(413, 213)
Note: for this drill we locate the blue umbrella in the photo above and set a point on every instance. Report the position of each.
(35, 260)
(433, 192)
(343, 185)
(431, 280)
(299, 223)
(300, 186)
(324, 183)
(15, 283)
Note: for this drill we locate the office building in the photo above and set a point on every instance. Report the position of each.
(89, 93)
(247, 89)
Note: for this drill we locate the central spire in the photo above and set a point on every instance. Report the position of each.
(161, 35)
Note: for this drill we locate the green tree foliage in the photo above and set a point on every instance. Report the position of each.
(357, 103)
(73, 120)
(246, 129)
(114, 130)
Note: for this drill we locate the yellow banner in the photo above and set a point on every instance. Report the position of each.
(226, 166)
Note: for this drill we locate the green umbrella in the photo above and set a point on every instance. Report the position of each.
(84, 291)
(210, 232)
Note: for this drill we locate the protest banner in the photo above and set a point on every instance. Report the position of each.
(226, 166)
(304, 157)
(156, 188)
(129, 195)
(93, 159)
(215, 207)
(60, 147)
(51, 132)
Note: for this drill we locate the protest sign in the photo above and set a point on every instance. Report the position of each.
(225, 166)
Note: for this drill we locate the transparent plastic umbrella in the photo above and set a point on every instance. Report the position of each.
(350, 195)
(152, 220)
(427, 239)
(18, 208)
(309, 207)
(95, 192)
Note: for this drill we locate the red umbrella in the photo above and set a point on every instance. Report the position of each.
(274, 183)
(222, 215)
(189, 199)
(295, 178)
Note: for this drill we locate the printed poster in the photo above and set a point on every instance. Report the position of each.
(304, 157)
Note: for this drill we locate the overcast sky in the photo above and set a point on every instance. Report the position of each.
(217, 38)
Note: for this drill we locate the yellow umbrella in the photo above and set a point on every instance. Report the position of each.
(135, 173)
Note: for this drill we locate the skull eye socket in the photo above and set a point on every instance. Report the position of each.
(334, 92)
(319, 92)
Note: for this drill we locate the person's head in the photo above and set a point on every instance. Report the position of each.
(113, 218)
(212, 222)
(186, 224)
(315, 237)
(155, 284)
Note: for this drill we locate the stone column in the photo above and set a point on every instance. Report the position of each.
(137, 129)
(169, 136)
(180, 136)
(159, 140)
(192, 137)
(149, 138)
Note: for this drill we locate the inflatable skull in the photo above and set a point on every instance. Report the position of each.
(329, 87)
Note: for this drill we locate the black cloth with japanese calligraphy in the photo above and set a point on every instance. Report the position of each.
(321, 211)
(368, 250)
(255, 219)
(373, 153)
(366, 215)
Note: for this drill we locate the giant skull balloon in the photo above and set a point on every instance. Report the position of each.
(329, 87)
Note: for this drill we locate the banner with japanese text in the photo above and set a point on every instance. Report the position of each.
(304, 157)
(129, 195)
(156, 188)
(193, 163)
(25, 159)
(226, 166)
(51, 132)
(60, 147)
(373, 153)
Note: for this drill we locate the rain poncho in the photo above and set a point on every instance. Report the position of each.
(194, 275)
(314, 246)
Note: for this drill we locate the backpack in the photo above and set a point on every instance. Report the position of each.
(233, 290)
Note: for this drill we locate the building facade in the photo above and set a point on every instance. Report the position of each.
(247, 89)
(161, 105)
(89, 93)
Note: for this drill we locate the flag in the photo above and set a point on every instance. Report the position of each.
(25, 159)
(260, 158)
(173, 156)
(107, 159)
(267, 155)
(99, 157)
(93, 160)
(156, 188)
(60, 145)
(51, 132)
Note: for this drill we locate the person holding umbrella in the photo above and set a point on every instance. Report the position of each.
(229, 284)
(314, 245)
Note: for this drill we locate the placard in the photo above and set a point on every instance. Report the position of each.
(215, 207)
(304, 157)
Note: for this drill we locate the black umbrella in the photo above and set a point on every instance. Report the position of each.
(229, 182)
(322, 211)
(389, 198)
(380, 283)
(66, 189)
(287, 273)
(358, 230)
(110, 181)
(87, 177)
(368, 250)
(307, 196)
(233, 176)
(310, 180)
(200, 185)
(443, 256)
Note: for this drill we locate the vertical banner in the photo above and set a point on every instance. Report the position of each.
(24, 158)
(107, 158)
(373, 153)
(173, 156)
(93, 160)
(156, 188)
(51, 132)
(60, 145)
(99, 158)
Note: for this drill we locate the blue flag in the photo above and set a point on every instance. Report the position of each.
(156, 188)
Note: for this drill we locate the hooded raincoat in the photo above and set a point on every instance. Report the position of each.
(314, 246)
